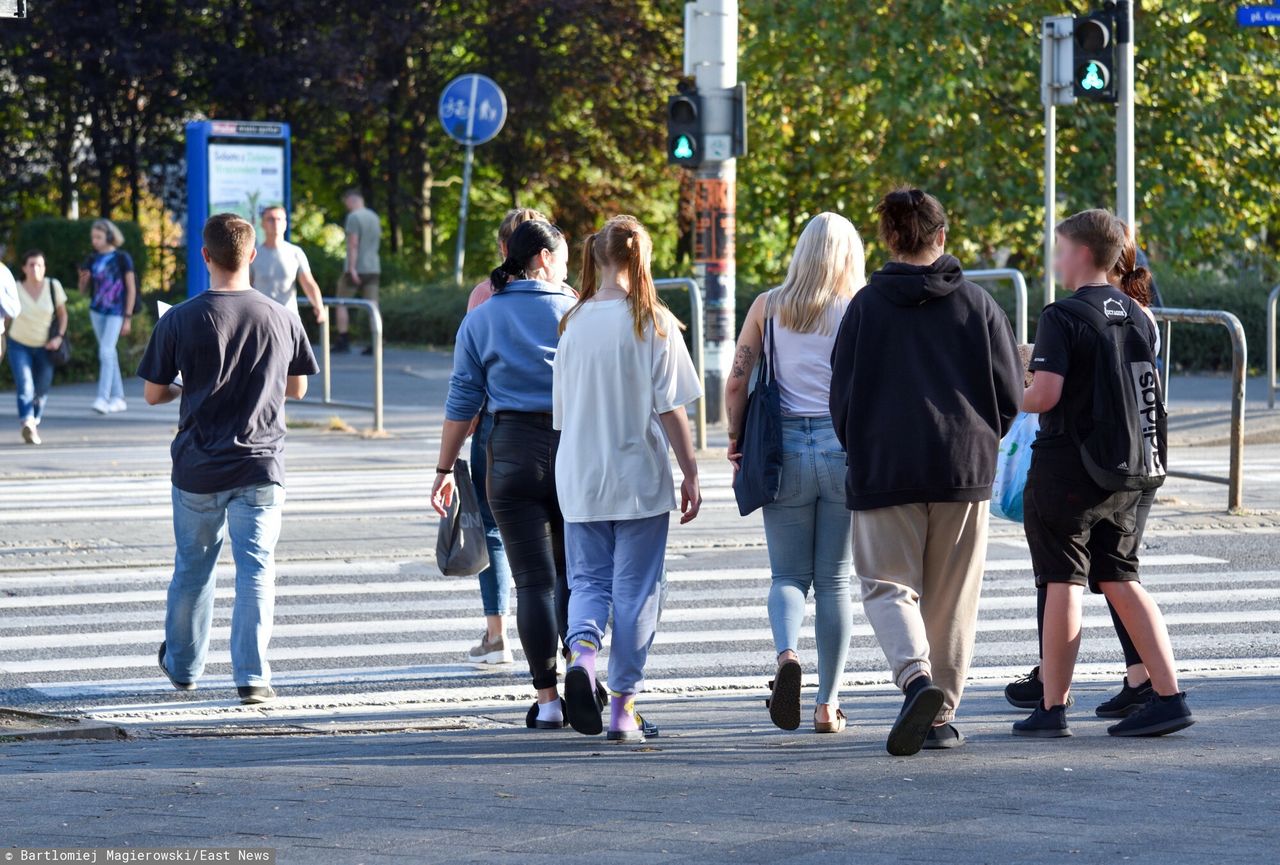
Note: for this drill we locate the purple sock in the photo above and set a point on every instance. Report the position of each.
(622, 709)
(582, 653)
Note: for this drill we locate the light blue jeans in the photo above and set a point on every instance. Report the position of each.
(32, 376)
(107, 329)
(807, 530)
(495, 580)
(617, 567)
(200, 523)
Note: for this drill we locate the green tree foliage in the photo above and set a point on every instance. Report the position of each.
(848, 97)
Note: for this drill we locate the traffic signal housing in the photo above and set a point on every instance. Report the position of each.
(1094, 50)
(684, 129)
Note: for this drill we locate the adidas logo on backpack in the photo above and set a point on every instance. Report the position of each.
(1129, 419)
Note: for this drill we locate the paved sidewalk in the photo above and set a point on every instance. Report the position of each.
(721, 785)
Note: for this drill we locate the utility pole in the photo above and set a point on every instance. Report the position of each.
(1057, 74)
(1125, 194)
(711, 58)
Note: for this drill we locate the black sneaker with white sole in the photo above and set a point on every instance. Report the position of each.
(1128, 701)
(251, 695)
(1159, 716)
(181, 686)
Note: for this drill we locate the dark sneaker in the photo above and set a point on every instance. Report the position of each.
(1128, 701)
(942, 738)
(1044, 723)
(921, 706)
(1159, 716)
(341, 345)
(1027, 692)
(366, 351)
(251, 695)
(181, 686)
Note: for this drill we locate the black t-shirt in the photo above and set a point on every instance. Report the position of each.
(1068, 346)
(235, 350)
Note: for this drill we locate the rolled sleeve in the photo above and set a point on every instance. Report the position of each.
(675, 379)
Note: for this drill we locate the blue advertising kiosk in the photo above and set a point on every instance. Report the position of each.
(232, 165)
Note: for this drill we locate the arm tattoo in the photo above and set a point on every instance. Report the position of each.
(744, 362)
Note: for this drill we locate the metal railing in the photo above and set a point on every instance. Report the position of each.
(1239, 368)
(375, 330)
(1272, 302)
(695, 336)
(1019, 294)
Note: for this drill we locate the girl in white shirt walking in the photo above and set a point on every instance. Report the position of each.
(622, 378)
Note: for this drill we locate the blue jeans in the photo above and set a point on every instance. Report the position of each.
(617, 567)
(200, 523)
(32, 375)
(807, 530)
(107, 329)
(495, 580)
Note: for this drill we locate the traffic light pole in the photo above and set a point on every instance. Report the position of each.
(711, 56)
(1125, 193)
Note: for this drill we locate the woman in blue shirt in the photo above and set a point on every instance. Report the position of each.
(502, 364)
(109, 273)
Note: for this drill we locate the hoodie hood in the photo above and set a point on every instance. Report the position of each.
(912, 285)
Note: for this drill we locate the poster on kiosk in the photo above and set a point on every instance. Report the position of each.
(233, 166)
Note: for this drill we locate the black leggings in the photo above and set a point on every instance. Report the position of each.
(522, 496)
(1131, 655)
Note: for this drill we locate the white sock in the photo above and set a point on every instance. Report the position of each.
(550, 712)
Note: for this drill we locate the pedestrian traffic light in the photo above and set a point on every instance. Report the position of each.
(684, 129)
(1094, 47)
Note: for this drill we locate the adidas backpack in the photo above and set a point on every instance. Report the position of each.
(1127, 448)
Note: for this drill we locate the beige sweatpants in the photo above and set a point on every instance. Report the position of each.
(921, 567)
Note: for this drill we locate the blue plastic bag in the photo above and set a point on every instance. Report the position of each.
(1012, 464)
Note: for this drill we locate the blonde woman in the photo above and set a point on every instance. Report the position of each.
(108, 275)
(622, 379)
(807, 528)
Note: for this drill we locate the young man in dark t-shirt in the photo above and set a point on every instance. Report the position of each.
(1077, 531)
(231, 355)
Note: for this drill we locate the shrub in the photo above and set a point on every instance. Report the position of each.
(65, 243)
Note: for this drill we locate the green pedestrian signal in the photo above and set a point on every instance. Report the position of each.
(684, 129)
(1094, 54)
(1093, 77)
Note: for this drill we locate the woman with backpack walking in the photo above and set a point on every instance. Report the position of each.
(38, 330)
(807, 527)
(108, 275)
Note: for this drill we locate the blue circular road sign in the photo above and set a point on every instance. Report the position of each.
(472, 109)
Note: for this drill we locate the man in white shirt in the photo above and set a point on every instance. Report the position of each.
(280, 266)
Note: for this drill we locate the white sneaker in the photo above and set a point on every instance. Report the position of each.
(116, 406)
(490, 652)
(29, 434)
(101, 406)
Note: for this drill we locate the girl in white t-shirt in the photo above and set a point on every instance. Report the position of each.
(622, 378)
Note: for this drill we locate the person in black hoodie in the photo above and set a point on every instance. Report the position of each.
(926, 379)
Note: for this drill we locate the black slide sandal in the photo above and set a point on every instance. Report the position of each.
(784, 705)
(914, 722)
(582, 702)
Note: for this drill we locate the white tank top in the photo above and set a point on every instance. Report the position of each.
(803, 367)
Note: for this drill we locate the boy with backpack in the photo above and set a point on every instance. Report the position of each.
(1102, 442)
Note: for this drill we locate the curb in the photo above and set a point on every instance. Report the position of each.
(17, 725)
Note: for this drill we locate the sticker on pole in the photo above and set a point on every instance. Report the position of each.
(1258, 16)
(472, 109)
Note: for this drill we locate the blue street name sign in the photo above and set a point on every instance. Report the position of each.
(1258, 16)
(472, 109)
